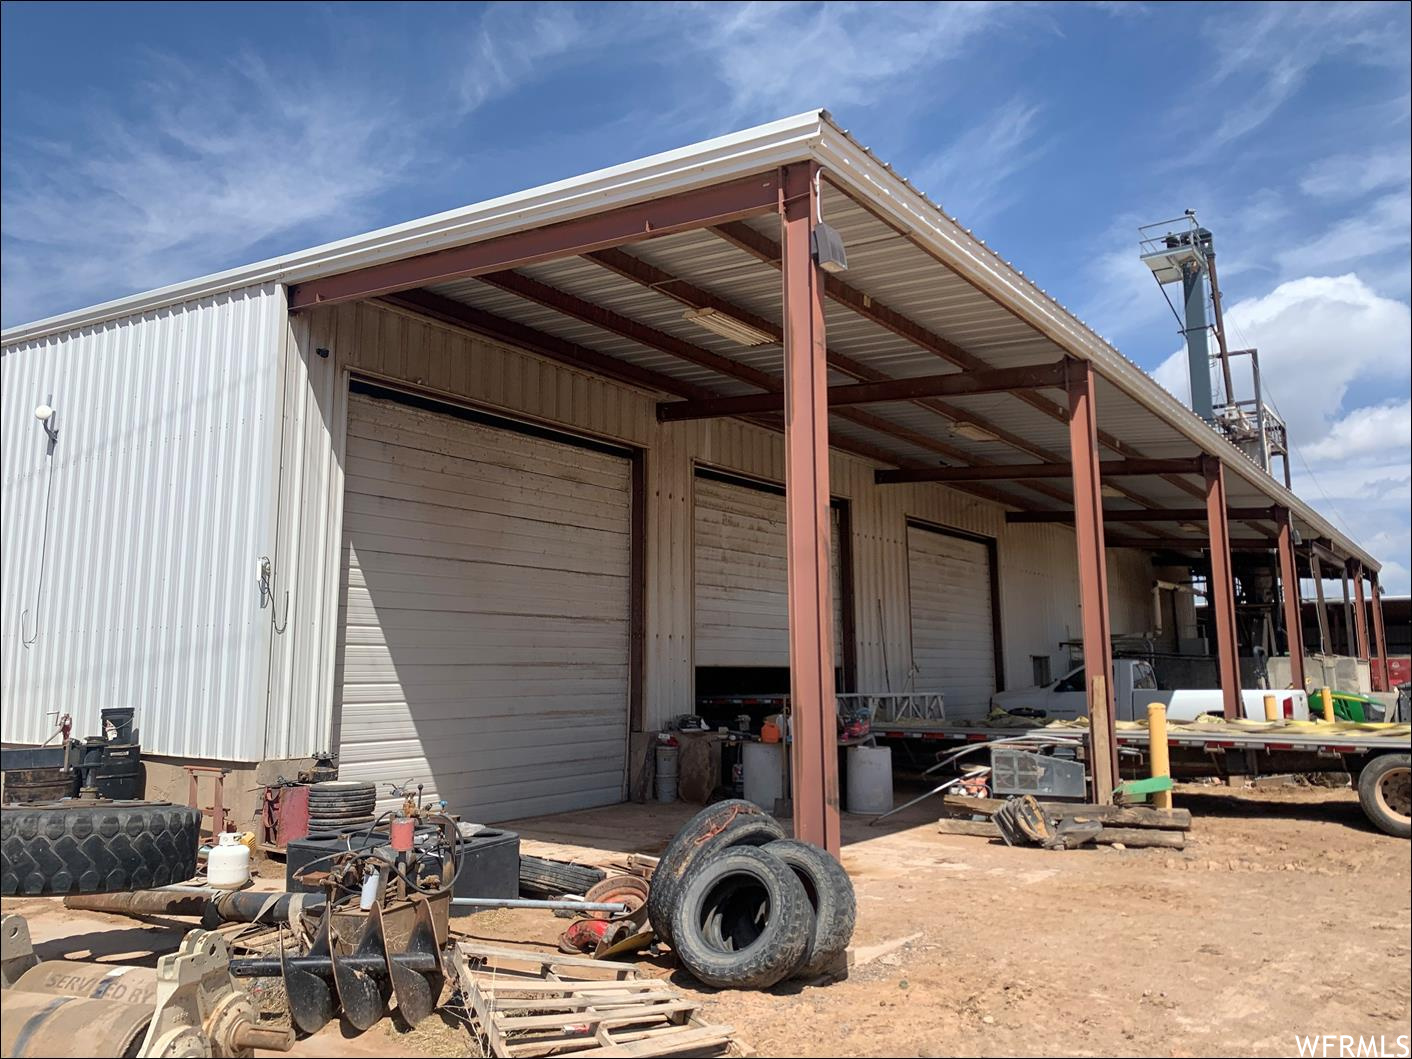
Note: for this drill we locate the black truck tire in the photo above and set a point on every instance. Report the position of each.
(1385, 793)
(742, 920)
(541, 878)
(734, 822)
(830, 893)
(96, 847)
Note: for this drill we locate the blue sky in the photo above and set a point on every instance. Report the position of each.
(143, 144)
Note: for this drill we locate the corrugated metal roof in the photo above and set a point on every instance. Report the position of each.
(904, 252)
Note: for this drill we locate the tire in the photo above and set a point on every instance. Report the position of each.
(700, 836)
(365, 806)
(742, 920)
(553, 878)
(96, 847)
(830, 893)
(340, 814)
(342, 794)
(343, 787)
(1383, 792)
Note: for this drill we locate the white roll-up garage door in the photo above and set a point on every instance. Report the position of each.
(953, 638)
(486, 636)
(742, 587)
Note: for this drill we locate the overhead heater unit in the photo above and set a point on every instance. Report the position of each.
(728, 326)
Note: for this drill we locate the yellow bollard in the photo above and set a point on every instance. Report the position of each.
(1157, 751)
(1272, 708)
(1326, 698)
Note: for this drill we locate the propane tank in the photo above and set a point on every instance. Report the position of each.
(228, 866)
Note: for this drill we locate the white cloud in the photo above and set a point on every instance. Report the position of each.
(1317, 336)
(1264, 54)
(777, 58)
(969, 176)
(1374, 429)
(1351, 175)
(510, 44)
(1384, 226)
(1320, 338)
(223, 159)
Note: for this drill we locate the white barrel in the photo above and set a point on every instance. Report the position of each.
(228, 865)
(762, 768)
(869, 780)
(666, 772)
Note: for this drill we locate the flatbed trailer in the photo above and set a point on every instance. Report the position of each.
(1377, 757)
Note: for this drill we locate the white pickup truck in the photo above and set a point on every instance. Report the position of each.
(1134, 687)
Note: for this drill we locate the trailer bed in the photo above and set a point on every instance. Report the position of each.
(1273, 737)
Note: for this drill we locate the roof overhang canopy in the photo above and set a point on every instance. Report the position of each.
(664, 273)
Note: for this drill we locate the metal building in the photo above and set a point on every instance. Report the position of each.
(476, 498)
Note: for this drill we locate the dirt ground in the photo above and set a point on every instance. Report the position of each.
(1286, 914)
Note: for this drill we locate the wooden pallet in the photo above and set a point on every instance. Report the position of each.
(525, 1003)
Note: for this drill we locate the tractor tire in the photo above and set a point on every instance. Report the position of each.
(540, 878)
(96, 847)
(830, 893)
(1385, 793)
(734, 822)
(742, 920)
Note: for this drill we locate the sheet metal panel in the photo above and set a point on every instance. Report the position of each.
(741, 579)
(160, 498)
(485, 631)
(953, 641)
(1034, 560)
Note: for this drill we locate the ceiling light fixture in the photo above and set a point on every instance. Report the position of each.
(972, 431)
(727, 326)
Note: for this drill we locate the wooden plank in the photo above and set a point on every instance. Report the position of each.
(619, 1016)
(579, 1001)
(1115, 815)
(545, 959)
(1137, 838)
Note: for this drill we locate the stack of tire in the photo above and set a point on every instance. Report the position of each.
(744, 907)
(340, 805)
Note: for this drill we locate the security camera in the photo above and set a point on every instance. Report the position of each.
(44, 413)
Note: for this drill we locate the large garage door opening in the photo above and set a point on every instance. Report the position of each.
(485, 649)
(951, 583)
(741, 588)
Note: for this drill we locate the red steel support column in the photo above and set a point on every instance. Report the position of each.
(1382, 680)
(1093, 579)
(1360, 611)
(1222, 588)
(1293, 606)
(811, 685)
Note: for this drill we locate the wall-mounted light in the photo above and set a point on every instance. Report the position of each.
(45, 414)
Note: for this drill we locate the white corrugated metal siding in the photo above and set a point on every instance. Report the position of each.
(953, 640)
(1036, 563)
(486, 632)
(161, 494)
(741, 583)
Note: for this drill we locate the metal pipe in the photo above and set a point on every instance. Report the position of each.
(521, 902)
(197, 902)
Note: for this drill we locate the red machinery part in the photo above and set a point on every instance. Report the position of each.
(403, 833)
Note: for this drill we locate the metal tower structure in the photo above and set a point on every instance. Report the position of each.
(1181, 251)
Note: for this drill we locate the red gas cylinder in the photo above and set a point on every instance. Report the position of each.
(404, 830)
